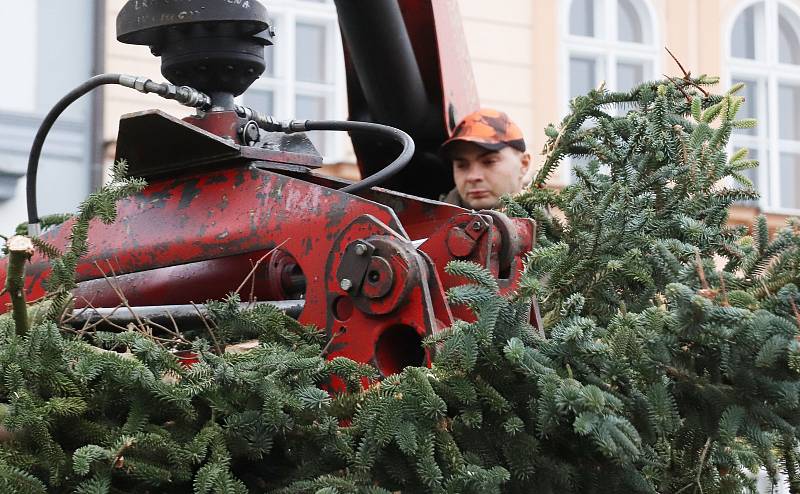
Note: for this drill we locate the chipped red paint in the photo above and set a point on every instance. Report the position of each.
(486, 238)
(191, 282)
(197, 234)
(225, 207)
(179, 221)
(197, 237)
(420, 217)
(411, 301)
(187, 358)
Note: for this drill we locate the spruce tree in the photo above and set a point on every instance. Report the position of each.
(668, 361)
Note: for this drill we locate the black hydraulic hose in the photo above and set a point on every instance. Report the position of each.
(44, 129)
(184, 95)
(383, 130)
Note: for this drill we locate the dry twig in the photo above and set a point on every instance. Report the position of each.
(20, 250)
(700, 271)
(796, 313)
(330, 342)
(103, 319)
(685, 94)
(251, 299)
(687, 76)
(119, 293)
(255, 266)
(217, 346)
(725, 301)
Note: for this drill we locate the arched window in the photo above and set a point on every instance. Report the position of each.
(764, 53)
(609, 40)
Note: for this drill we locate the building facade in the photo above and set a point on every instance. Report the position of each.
(567, 47)
(529, 59)
(47, 47)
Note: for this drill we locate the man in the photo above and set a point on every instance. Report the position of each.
(487, 151)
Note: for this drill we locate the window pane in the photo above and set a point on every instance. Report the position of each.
(788, 42)
(262, 100)
(750, 107)
(582, 78)
(310, 55)
(790, 180)
(743, 38)
(789, 111)
(269, 51)
(629, 75)
(629, 25)
(269, 60)
(581, 18)
(309, 107)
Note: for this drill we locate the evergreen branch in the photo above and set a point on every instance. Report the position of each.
(20, 249)
(650, 374)
(205, 321)
(258, 263)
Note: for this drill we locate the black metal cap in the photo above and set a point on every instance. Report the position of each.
(214, 46)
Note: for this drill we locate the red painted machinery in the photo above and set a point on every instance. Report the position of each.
(230, 189)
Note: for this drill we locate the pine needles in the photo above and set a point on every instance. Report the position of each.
(656, 371)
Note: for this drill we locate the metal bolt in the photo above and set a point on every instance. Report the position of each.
(476, 226)
(346, 284)
(360, 249)
(249, 133)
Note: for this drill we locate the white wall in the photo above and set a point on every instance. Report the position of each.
(48, 44)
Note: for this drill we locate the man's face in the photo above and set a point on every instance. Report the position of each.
(482, 176)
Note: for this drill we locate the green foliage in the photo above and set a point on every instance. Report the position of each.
(655, 192)
(654, 371)
(130, 417)
(702, 362)
(100, 205)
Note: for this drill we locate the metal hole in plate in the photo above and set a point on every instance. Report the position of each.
(342, 308)
(398, 347)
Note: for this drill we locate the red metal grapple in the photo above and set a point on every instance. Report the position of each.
(366, 267)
